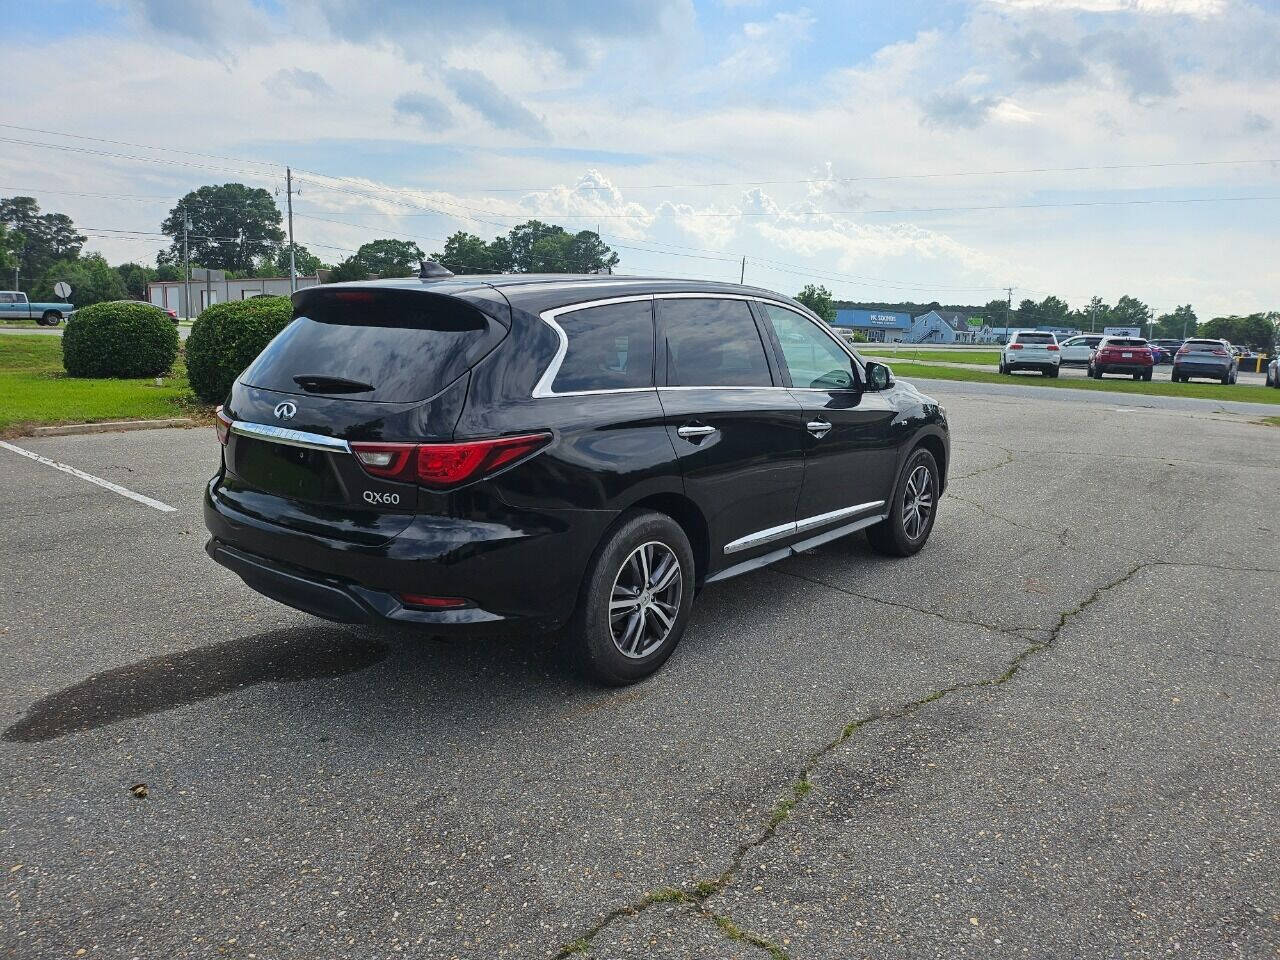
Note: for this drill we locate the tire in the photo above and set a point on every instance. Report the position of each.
(1137, 376)
(892, 536)
(1053, 372)
(1004, 368)
(50, 318)
(615, 648)
(1234, 376)
(1147, 376)
(1226, 379)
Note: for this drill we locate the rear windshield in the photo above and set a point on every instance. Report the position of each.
(1203, 346)
(385, 345)
(1036, 338)
(1125, 342)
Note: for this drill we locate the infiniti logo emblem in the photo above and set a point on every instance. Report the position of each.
(285, 410)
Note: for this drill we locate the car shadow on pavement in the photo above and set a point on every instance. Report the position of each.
(163, 683)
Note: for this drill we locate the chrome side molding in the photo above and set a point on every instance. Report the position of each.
(768, 535)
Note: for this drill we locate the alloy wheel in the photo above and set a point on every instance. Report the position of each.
(917, 502)
(645, 599)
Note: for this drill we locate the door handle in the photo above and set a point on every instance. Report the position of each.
(819, 428)
(693, 432)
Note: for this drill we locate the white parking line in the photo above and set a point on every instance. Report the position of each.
(113, 487)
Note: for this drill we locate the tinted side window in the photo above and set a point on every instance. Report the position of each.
(610, 348)
(713, 343)
(813, 359)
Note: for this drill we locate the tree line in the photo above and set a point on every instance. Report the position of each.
(1259, 331)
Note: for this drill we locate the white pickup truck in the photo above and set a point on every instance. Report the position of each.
(15, 306)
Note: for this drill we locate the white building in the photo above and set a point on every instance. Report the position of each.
(212, 286)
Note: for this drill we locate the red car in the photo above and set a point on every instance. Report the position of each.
(1131, 355)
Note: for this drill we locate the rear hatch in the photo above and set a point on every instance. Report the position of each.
(1036, 348)
(1125, 351)
(1204, 353)
(357, 365)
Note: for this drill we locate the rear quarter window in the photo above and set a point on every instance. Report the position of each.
(404, 344)
(610, 347)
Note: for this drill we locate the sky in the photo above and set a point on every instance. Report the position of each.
(928, 150)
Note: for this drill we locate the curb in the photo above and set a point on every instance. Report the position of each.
(111, 426)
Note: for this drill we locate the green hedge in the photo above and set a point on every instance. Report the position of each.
(120, 338)
(227, 337)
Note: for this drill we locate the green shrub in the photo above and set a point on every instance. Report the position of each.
(227, 337)
(122, 338)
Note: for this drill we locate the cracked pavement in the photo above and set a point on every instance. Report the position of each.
(1051, 733)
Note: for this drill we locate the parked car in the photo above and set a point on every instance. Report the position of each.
(1127, 355)
(1273, 373)
(14, 305)
(1212, 359)
(1078, 350)
(1031, 350)
(584, 451)
(1169, 346)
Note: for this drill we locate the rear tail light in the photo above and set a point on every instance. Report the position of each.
(1015, 346)
(1221, 353)
(1053, 346)
(222, 423)
(433, 603)
(1183, 351)
(443, 465)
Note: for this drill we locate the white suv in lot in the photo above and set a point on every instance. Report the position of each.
(1032, 350)
(1078, 350)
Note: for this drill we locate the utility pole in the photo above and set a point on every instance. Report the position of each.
(293, 263)
(1008, 310)
(186, 263)
(1093, 316)
(742, 275)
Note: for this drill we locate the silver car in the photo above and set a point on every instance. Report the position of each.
(1211, 359)
(1273, 373)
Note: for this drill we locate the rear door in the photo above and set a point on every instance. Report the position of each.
(1077, 350)
(355, 365)
(738, 432)
(848, 464)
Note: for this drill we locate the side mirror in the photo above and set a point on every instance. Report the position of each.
(879, 376)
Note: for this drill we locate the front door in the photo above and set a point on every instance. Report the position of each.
(738, 434)
(849, 431)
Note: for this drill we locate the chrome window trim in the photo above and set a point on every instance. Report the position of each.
(291, 438)
(542, 389)
(769, 534)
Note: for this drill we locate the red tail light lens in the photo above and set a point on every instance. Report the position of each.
(1015, 346)
(443, 465)
(433, 603)
(222, 423)
(1053, 346)
(1183, 351)
(1221, 353)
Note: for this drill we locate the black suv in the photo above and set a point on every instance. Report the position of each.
(486, 452)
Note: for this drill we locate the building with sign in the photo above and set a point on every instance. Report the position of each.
(878, 326)
(944, 326)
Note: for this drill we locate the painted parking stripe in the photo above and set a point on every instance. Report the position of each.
(113, 487)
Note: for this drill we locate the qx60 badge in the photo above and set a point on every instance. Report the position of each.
(285, 410)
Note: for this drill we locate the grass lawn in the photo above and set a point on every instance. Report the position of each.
(937, 356)
(35, 390)
(1160, 388)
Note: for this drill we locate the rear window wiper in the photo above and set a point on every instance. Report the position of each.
(320, 383)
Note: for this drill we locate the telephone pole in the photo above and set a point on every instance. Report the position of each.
(742, 275)
(1008, 310)
(293, 263)
(186, 264)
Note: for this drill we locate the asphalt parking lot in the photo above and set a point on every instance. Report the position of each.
(1052, 733)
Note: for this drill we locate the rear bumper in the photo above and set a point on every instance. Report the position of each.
(1031, 365)
(1129, 368)
(1215, 370)
(521, 571)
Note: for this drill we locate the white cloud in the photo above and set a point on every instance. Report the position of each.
(1189, 8)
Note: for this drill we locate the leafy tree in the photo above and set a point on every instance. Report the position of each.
(1027, 314)
(391, 258)
(6, 253)
(135, 278)
(1053, 312)
(167, 271)
(818, 299)
(537, 247)
(1257, 331)
(1129, 312)
(92, 280)
(304, 261)
(1094, 316)
(466, 253)
(996, 313)
(232, 227)
(352, 268)
(1180, 323)
(37, 239)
